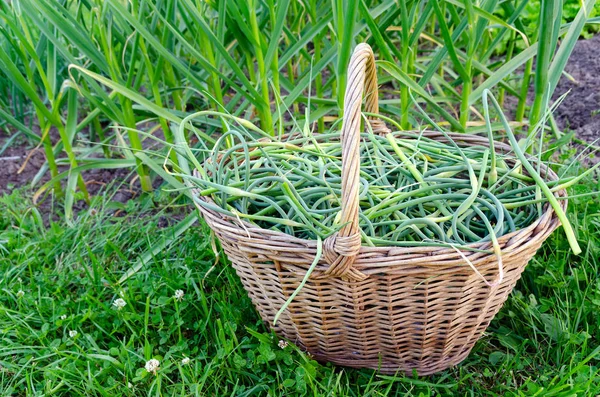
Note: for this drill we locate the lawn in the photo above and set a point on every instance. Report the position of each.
(65, 332)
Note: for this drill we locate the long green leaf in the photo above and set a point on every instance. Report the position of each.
(397, 73)
(503, 72)
(568, 44)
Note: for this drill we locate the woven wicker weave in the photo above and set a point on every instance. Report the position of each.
(387, 308)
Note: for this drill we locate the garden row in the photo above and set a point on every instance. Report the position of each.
(116, 74)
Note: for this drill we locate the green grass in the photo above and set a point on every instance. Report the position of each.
(544, 342)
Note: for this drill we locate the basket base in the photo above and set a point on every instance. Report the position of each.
(422, 369)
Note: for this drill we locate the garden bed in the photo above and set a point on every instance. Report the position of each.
(579, 112)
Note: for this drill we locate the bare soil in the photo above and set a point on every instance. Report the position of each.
(580, 110)
(20, 163)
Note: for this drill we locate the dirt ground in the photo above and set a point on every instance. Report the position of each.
(580, 112)
(18, 170)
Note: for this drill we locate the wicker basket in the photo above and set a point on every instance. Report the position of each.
(386, 308)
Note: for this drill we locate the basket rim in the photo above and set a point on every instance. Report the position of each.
(541, 228)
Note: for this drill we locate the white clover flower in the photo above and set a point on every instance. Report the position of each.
(152, 366)
(19, 280)
(72, 334)
(185, 361)
(282, 344)
(119, 303)
(63, 317)
(20, 293)
(179, 294)
(129, 385)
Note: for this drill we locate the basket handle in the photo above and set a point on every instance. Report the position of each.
(341, 248)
